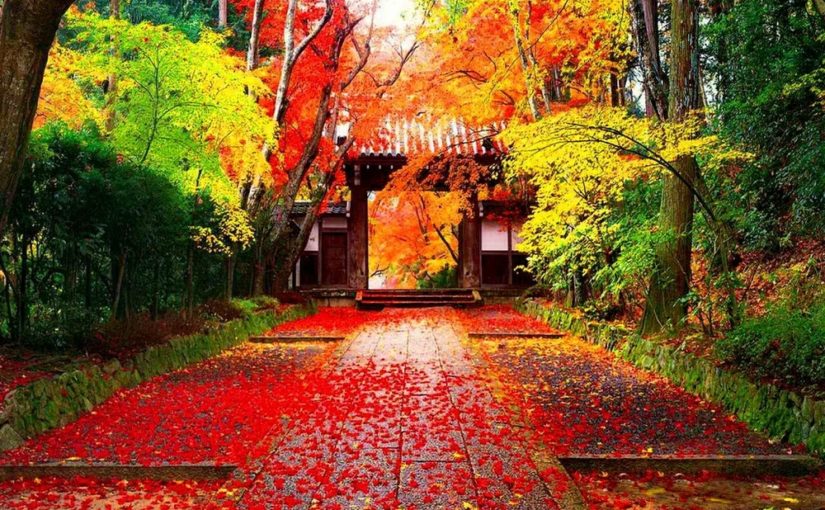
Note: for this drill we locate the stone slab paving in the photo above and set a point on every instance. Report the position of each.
(409, 425)
(410, 414)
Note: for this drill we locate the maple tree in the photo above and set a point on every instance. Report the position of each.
(546, 54)
(413, 236)
(591, 232)
(331, 72)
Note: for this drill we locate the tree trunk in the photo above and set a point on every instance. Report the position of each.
(27, 29)
(118, 290)
(223, 13)
(254, 35)
(22, 291)
(230, 277)
(292, 53)
(532, 100)
(671, 280)
(190, 281)
(615, 94)
(111, 87)
(646, 33)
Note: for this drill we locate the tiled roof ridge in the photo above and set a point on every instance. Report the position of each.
(401, 137)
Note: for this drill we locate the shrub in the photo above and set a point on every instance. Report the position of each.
(122, 338)
(264, 303)
(786, 343)
(222, 311)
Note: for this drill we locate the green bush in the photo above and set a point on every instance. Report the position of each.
(447, 278)
(787, 343)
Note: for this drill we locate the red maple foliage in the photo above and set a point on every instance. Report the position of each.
(501, 319)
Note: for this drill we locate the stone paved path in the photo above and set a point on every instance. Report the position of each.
(411, 425)
(404, 414)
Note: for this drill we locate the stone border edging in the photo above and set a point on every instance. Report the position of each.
(49, 403)
(781, 414)
(474, 335)
(736, 465)
(119, 471)
(291, 339)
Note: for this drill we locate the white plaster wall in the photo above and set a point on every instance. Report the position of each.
(493, 236)
(312, 243)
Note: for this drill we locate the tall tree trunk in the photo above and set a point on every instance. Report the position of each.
(292, 52)
(22, 291)
(118, 289)
(255, 35)
(111, 87)
(671, 280)
(259, 275)
(615, 94)
(532, 100)
(230, 276)
(223, 13)
(646, 33)
(27, 29)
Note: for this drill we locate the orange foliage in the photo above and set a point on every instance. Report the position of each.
(471, 66)
(412, 235)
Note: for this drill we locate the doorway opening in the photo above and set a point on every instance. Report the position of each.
(413, 240)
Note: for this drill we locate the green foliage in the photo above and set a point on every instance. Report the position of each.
(81, 213)
(187, 16)
(447, 278)
(788, 341)
(769, 60)
(180, 102)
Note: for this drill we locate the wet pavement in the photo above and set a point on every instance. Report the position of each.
(407, 412)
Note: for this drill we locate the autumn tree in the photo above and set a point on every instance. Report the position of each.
(320, 80)
(413, 236)
(545, 55)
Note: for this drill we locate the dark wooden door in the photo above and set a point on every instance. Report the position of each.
(334, 258)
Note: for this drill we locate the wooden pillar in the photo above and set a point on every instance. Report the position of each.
(358, 239)
(469, 276)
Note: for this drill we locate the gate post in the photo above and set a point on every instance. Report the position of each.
(469, 249)
(358, 226)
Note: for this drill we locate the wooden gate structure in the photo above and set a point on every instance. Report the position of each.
(337, 253)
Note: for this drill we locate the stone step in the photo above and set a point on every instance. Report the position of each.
(417, 298)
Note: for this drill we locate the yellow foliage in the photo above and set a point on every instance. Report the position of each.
(61, 97)
(581, 162)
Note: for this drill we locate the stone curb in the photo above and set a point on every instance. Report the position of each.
(286, 339)
(118, 471)
(737, 465)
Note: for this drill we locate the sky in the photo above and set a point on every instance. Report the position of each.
(391, 12)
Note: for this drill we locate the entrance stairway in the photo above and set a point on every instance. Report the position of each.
(381, 298)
